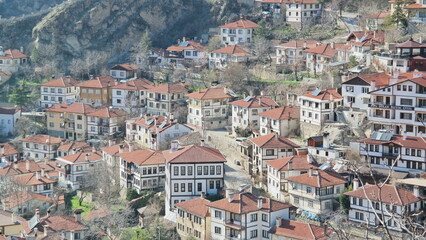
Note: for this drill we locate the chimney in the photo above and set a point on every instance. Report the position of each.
(15, 165)
(46, 160)
(290, 165)
(37, 214)
(93, 149)
(404, 135)
(6, 205)
(38, 175)
(77, 215)
(43, 172)
(203, 195)
(356, 184)
(109, 143)
(309, 158)
(332, 45)
(13, 217)
(120, 148)
(184, 39)
(87, 156)
(259, 202)
(202, 144)
(229, 194)
(310, 172)
(278, 222)
(251, 93)
(1, 149)
(68, 79)
(416, 191)
(417, 74)
(45, 230)
(21, 49)
(420, 39)
(90, 77)
(174, 146)
(261, 93)
(305, 45)
(326, 140)
(260, 101)
(130, 148)
(396, 74)
(373, 85)
(27, 165)
(301, 151)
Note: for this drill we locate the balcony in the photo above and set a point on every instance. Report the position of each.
(104, 123)
(234, 224)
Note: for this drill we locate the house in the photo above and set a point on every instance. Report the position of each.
(24, 202)
(292, 54)
(155, 132)
(187, 51)
(56, 227)
(68, 121)
(384, 149)
(224, 57)
(105, 122)
(8, 119)
(390, 202)
(283, 121)
(321, 148)
(302, 11)
(245, 216)
(237, 33)
(363, 42)
(61, 90)
(273, 8)
(317, 108)
(193, 219)
(290, 229)
(142, 169)
(124, 71)
(18, 168)
(12, 59)
(131, 95)
(316, 191)
(39, 147)
(280, 169)
(325, 57)
(10, 223)
(97, 91)
(270, 147)
(75, 168)
(39, 182)
(404, 57)
(8, 153)
(190, 171)
(166, 98)
(112, 160)
(71, 147)
(246, 112)
(209, 108)
(416, 11)
(374, 21)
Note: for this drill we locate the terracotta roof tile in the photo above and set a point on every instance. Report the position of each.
(137, 84)
(98, 82)
(76, 107)
(30, 179)
(7, 149)
(247, 202)
(125, 66)
(299, 230)
(300, 44)
(71, 145)
(82, 157)
(389, 194)
(197, 206)
(115, 149)
(59, 224)
(255, 102)
(43, 139)
(282, 113)
(107, 112)
(410, 44)
(190, 45)
(155, 123)
(273, 141)
(409, 142)
(415, 6)
(13, 54)
(143, 157)
(319, 178)
(22, 197)
(61, 82)
(9, 110)
(209, 93)
(325, 94)
(298, 162)
(192, 153)
(169, 88)
(27, 166)
(242, 23)
(233, 50)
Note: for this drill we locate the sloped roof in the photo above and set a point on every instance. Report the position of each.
(9, 110)
(319, 178)
(9, 149)
(43, 139)
(197, 206)
(325, 94)
(300, 230)
(408, 142)
(115, 149)
(209, 93)
(98, 82)
(61, 82)
(233, 50)
(22, 197)
(186, 45)
(143, 157)
(282, 113)
(242, 23)
(389, 194)
(415, 6)
(298, 162)
(13, 54)
(33, 166)
(273, 141)
(194, 154)
(410, 44)
(76, 107)
(56, 224)
(71, 145)
(169, 88)
(137, 84)
(107, 112)
(255, 102)
(246, 202)
(6, 218)
(381, 79)
(155, 123)
(125, 66)
(30, 179)
(299, 44)
(81, 157)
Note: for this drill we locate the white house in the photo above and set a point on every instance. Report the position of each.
(300, 11)
(396, 203)
(39, 147)
(245, 112)
(292, 54)
(245, 216)
(283, 121)
(61, 90)
(280, 169)
(12, 59)
(131, 95)
(166, 98)
(105, 121)
(112, 160)
(142, 169)
(8, 153)
(8, 119)
(224, 57)
(190, 171)
(124, 71)
(187, 51)
(316, 191)
(326, 57)
(416, 12)
(38, 182)
(238, 32)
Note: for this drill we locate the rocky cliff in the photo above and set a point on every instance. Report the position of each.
(13, 8)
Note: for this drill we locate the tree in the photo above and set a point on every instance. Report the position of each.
(26, 126)
(262, 30)
(261, 48)
(399, 16)
(237, 77)
(142, 50)
(344, 200)
(352, 62)
(131, 194)
(214, 43)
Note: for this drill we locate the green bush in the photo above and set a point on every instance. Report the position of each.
(132, 194)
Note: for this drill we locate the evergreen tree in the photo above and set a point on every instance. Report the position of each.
(142, 55)
(399, 17)
(344, 199)
(22, 95)
(262, 30)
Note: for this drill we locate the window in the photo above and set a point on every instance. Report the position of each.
(218, 170)
(183, 171)
(189, 187)
(365, 90)
(211, 170)
(76, 235)
(405, 116)
(199, 170)
(253, 234)
(51, 124)
(265, 234)
(354, 200)
(206, 170)
(189, 170)
(406, 101)
(269, 152)
(218, 214)
(296, 200)
(199, 187)
(217, 230)
(349, 89)
(182, 187)
(310, 203)
(351, 99)
(118, 92)
(176, 187)
(308, 189)
(211, 184)
(253, 217)
(264, 217)
(176, 171)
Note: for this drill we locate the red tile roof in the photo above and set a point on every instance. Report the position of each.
(74, 145)
(325, 50)
(375, 36)
(76, 107)
(300, 44)
(409, 142)
(235, 50)
(299, 230)
(8, 149)
(325, 94)
(13, 54)
(290, 1)
(197, 206)
(137, 84)
(83, 157)
(381, 79)
(56, 224)
(107, 112)
(194, 154)
(43, 139)
(298, 163)
(157, 121)
(98, 82)
(191, 45)
(282, 113)
(61, 82)
(125, 66)
(209, 93)
(255, 102)
(115, 149)
(319, 178)
(22, 197)
(415, 6)
(389, 194)
(30, 179)
(169, 88)
(246, 202)
(242, 23)
(9, 110)
(379, 15)
(410, 44)
(273, 141)
(33, 166)
(143, 157)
